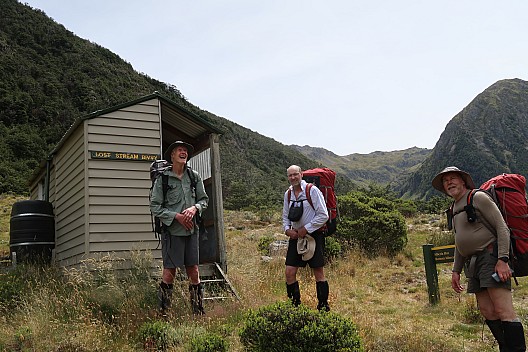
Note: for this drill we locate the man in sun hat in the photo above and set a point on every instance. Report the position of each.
(482, 247)
(302, 223)
(177, 211)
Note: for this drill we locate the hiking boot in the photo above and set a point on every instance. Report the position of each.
(197, 293)
(322, 295)
(294, 293)
(164, 296)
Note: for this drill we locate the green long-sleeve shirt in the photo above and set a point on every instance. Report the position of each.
(179, 197)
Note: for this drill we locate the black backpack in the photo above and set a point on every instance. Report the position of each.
(157, 169)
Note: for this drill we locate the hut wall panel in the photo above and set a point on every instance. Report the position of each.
(69, 196)
(119, 213)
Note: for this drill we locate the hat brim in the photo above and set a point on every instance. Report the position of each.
(306, 247)
(168, 152)
(439, 185)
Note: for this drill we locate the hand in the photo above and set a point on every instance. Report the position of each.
(292, 233)
(190, 212)
(455, 282)
(503, 270)
(185, 220)
(302, 232)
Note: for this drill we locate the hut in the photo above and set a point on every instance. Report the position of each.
(97, 179)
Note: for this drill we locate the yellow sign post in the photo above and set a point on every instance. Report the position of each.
(433, 255)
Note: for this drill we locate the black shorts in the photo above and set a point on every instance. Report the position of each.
(295, 259)
(481, 278)
(179, 251)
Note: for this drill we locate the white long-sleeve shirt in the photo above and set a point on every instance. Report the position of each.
(312, 218)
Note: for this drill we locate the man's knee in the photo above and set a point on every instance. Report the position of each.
(319, 274)
(291, 274)
(193, 273)
(168, 275)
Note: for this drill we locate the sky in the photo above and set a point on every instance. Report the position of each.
(348, 76)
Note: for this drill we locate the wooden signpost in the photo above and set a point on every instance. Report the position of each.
(432, 256)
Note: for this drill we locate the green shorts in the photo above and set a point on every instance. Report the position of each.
(481, 279)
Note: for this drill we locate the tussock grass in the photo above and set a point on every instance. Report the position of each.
(92, 308)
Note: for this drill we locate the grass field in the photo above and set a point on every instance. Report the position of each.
(385, 297)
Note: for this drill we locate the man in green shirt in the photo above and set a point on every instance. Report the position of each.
(177, 210)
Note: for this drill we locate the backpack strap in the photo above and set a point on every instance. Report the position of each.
(164, 186)
(308, 195)
(469, 205)
(307, 191)
(192, 177)
(198, 217)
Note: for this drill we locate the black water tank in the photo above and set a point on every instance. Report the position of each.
(32, 231)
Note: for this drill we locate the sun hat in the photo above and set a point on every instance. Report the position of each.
(439, 185)
(306, 247)
(190, 149)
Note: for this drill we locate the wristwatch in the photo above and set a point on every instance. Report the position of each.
(504, 259)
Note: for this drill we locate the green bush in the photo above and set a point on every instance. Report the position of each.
(434, 205)
(208, 342)
(264, 243)
(285, 328)
(441, 238)
(407, 208)
(373, 224)
(157, 335)
(333, 249)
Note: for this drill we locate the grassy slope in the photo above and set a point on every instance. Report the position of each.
(6, 201)
(386, 298)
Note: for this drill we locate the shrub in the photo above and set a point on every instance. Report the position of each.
(407, 208)
(285, 328)
(332, 249)
(264, 243)
(157, 335)
(209, 342)
(373, 224)
(441, 238)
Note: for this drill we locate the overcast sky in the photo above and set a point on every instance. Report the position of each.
(349, 76)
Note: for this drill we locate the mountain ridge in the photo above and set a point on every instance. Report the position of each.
(378, 166)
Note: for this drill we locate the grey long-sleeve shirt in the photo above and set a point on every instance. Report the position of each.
(471, 238)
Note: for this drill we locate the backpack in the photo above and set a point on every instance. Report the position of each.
(508, 191)
(157, 169)
(324, 179)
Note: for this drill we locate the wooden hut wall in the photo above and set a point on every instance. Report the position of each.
(118, 199)
(67, 193)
